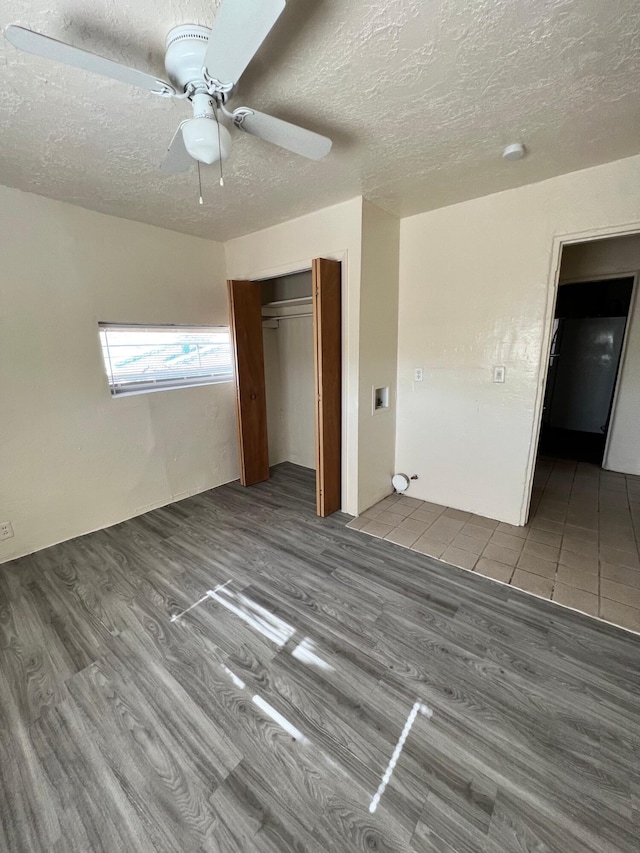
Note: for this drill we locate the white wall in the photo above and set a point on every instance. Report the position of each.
(273, 389)
(378, 352)
(623, 451)
(72, 459)
(336, 233)
(298, 390)
(366, 240)
(289, 379)
(614, 256)
(476, 290)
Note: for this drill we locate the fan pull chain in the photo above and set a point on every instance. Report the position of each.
(200, 182)
(215, 112)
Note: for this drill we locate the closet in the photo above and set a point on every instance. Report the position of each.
(286, 336)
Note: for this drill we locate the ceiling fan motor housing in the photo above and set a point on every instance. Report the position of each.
(184, 58)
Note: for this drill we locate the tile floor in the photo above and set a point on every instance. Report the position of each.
(580, 548)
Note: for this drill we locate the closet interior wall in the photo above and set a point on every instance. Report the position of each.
(289, 370)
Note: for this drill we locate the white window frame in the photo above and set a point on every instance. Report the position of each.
(166, 383)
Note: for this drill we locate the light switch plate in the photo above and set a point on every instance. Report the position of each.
(498, 373)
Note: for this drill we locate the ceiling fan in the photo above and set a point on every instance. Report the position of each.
(203, 66)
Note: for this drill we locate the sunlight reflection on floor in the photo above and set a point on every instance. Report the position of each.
(279, 631)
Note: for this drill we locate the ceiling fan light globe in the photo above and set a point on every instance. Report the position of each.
(201, 140)
(225, 142)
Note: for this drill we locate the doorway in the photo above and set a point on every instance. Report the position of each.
(584, 363)
(287, 341)
(583, 521)
(589, 404)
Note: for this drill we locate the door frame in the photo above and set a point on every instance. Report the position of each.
(553, 282)
(306, 265)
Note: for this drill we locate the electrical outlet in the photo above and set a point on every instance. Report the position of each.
(417, 374)
(6, 530)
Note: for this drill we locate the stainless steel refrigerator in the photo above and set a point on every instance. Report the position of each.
(585, 355)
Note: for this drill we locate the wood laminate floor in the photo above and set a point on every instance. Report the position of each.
(324, 691)
(581, 545)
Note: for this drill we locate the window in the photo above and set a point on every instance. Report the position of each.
(151, 358)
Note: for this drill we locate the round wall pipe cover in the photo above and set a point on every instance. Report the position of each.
(400, 482)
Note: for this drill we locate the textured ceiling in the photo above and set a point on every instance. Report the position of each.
(419, 98)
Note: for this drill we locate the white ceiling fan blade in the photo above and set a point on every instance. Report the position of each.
(282, 133)
(177, 158)
(238, 31)
(58, 51)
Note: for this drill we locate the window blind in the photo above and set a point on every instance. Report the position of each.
(150, 358)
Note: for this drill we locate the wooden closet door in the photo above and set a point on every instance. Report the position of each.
(245, 309)
(327, 333)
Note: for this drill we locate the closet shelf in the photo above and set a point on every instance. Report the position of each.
(278, 309)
